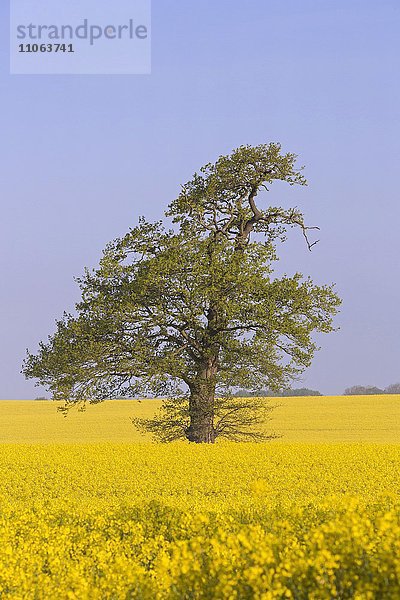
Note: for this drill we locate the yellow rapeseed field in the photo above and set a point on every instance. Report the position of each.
(302, 419)
(88, 514)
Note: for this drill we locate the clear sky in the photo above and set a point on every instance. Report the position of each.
(81, 157)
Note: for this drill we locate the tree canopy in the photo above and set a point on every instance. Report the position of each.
(194, 310)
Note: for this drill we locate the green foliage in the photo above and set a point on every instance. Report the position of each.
(141, 325)
(195, 306)
(219, 198)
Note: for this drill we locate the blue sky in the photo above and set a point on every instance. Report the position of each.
(82, 157)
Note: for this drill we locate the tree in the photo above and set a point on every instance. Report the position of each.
(194, 311)
(363, 390)
(281, 394)
(394, 388)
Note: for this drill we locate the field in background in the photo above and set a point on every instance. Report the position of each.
(300, 419)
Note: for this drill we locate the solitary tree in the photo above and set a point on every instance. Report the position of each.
(194, 309)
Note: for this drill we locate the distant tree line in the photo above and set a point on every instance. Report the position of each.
(366, 390)
(281, 394)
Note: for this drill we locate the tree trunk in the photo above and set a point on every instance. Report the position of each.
(201, 405)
